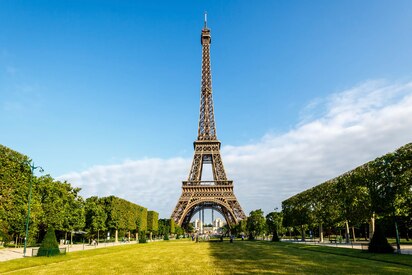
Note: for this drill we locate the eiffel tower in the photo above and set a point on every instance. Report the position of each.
(197, 194)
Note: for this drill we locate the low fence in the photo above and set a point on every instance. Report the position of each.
(35, 251)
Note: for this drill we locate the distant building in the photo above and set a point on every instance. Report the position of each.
(217, 223)
(198, 225)
(208, 228)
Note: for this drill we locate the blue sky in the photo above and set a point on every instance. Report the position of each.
(94, 91)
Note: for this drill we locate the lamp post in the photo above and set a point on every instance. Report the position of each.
(32, 169)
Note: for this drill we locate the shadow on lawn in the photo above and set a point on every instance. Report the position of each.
(256, 257)
(243, 257)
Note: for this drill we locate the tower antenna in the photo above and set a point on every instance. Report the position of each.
(205, 19)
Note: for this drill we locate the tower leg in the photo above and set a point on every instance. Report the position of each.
(203, 221)
(213, 220)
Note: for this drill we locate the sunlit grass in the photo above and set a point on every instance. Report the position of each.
(241, 257)
(161, 258)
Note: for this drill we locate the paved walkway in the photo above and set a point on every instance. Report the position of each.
(7, 254)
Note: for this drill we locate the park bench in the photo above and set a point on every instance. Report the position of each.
(332, 240)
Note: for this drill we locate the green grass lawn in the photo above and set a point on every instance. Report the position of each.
(183, 256)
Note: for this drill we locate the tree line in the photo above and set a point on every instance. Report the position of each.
(257, 225)
(58, 204)
(380, 190)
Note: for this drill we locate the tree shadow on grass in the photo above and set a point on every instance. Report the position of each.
(244, 257)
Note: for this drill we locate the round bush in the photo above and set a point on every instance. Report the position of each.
(143, 239)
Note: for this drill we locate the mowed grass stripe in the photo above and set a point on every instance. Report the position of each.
(160, 257)
(267, 257)
(356, 253)
(183, 256)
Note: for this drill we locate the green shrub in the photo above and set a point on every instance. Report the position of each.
(379, 243)
(142, 238)
(49, 246)
(166, 237)
(275, 237)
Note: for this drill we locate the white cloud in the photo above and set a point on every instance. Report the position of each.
(152, 183)
(354, 127)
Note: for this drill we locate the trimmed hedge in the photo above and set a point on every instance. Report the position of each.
(152, 221)
(49, 246)
(379, 243)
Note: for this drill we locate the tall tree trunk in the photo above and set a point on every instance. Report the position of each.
(116, 236)
(71, 239)
(347, 231)
(303, 233)
(372, 226)
(98, 236)
(353, 234)
(129, 236)
(320, 233)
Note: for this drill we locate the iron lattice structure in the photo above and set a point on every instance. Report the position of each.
(197, 194)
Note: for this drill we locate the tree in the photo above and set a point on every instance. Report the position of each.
(172, 226)
(62, 207)
(255, 224)
(75, 209)
(152, 221)
(298, 211)
(57, 204)
(95, 215)
(179, 231)
(190, 228)
(354, 200)
(141, 221)
(387, 184)
(163, 227)
(274, 223)
(380, 188)
(240, 227)
(402, 187)
(124, 216)
(14, 190)
(324, 202)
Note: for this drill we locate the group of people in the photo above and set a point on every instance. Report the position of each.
(195, 237)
